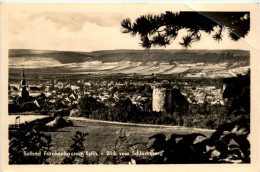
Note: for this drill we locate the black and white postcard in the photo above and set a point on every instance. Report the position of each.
(121, 86)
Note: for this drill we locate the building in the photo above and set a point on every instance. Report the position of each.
(60, 85)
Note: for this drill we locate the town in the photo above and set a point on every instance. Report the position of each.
(56, 95)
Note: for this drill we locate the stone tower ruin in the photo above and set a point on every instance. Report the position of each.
(162, 98)
(169, 99)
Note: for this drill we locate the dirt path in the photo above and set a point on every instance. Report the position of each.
(142, 125)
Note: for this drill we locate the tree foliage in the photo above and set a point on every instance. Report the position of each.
(161, 30)
(29, 138)
(228, 144)
(76, 148)
(87, 105)
(238, 94)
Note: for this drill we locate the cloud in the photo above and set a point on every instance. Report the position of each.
(62, 32)
(94, 37)
(88, 31)
(73, 21)
(37, 33)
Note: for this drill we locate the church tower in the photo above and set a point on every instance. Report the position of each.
(24, 93)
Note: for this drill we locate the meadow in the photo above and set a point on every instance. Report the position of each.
(111, 137)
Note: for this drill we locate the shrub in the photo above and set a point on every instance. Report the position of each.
(29, 139)
(64, 112)
(76, 147)
(59, 122)
(228, 144)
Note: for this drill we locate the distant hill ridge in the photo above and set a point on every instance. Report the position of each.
(168, 56)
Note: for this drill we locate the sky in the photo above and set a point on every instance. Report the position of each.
(88, 29)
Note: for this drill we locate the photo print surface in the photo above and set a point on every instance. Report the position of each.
(92, 84)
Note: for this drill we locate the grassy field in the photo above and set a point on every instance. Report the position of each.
(111, 137)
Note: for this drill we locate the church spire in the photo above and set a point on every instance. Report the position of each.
(23, 82)
(23, 76)
(24, 93)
